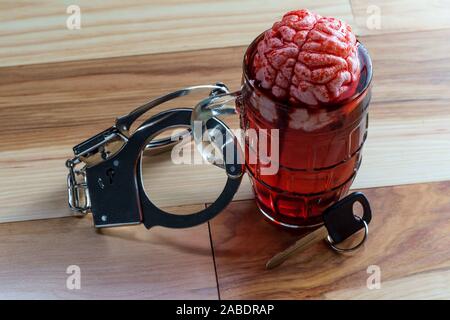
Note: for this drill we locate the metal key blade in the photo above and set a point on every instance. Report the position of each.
(301, 244)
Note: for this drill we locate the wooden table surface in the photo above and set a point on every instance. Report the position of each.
(60, 86)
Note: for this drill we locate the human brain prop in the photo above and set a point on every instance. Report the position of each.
(307, 59)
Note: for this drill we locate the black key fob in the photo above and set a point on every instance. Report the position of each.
(341, 221)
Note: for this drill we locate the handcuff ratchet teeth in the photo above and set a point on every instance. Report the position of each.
(105, 173)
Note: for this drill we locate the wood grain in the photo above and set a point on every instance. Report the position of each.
(399, 16)
(409, 136)
(118, 263)
(423, 286)
(32, 33)
(46, 109)
(408, 240)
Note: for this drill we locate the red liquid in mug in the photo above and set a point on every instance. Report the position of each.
(319, 149)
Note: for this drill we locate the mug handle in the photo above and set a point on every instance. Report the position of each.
(214, 106)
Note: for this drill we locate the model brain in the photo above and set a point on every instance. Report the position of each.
(306, 58)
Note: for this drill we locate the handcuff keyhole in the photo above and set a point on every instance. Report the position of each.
(105, 154)
(110, 173)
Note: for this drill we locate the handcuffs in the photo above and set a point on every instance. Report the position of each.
(105, 174)
(109, 183)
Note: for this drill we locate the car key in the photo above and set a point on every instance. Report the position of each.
(340, 223)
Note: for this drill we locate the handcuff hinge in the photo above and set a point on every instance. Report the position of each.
(79, 200)
(85, 152)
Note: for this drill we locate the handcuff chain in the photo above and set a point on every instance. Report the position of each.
(77, 188)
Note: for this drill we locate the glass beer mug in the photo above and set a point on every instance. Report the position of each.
(316, 151)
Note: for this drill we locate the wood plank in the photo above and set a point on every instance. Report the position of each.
(399, 16)
(118, 263)
(409, 136)
(408, 241)
(427, 286)
(48, 108)
(33, 33)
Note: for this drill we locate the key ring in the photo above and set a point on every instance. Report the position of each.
(341, 222)
(359, 244)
